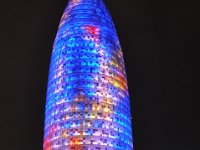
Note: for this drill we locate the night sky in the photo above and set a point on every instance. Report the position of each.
(160, 42)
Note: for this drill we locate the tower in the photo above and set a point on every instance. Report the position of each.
(87, 103)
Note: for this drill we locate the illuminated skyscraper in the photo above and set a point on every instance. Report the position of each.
(87, 105)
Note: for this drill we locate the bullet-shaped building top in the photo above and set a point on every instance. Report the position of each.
(87, 103)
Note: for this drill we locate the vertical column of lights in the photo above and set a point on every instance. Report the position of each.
(87, 106)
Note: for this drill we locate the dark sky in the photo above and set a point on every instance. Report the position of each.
(160, 41)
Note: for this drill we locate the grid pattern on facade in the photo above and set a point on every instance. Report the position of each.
(87, 105)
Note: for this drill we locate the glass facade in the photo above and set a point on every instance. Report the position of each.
(87, 104)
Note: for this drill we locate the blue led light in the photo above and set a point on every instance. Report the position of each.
(87, 104)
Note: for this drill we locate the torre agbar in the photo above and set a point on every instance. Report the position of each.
(87, 104)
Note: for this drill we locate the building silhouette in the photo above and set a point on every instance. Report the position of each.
(87, 104)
